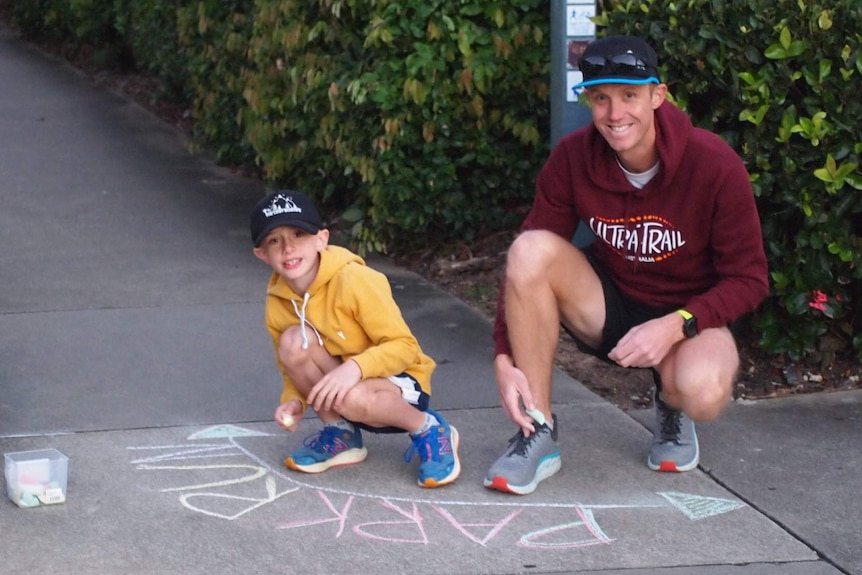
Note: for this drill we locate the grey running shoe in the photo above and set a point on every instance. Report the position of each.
(674, 443)
(526, 462)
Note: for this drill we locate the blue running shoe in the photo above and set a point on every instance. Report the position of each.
(329, 447)
(437, 449)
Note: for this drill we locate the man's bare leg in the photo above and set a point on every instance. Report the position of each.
(548, 279)
(696, 384)
(698, 375)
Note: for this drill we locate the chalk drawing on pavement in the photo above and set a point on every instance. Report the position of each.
(697, 507)
(231, 490)
(217, 431)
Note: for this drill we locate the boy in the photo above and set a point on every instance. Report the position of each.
(343, 347)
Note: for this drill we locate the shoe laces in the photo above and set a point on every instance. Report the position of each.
(671, 426)
(426, 445)
(327, 440)
(522, 444)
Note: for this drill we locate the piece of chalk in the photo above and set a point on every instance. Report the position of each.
(28, 500)
(537, 415)
(287, 419)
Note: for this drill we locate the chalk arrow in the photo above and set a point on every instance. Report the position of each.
(226, 431)
(698, 506)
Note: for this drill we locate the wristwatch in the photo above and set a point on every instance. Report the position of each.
(689, 326)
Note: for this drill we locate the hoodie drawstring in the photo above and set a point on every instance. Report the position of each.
(303, 321)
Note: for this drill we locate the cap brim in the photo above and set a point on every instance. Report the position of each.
(612, 80)
(304, 226)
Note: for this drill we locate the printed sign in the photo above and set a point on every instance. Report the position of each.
(578, 21)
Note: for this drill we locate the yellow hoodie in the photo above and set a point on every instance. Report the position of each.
(351, 309)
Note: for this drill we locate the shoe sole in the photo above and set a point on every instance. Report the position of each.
(672, 467)
(431, 483)
(349, 457)
(548, 467)
(668, 466)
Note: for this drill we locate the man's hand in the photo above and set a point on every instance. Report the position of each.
(333, 387)
(288, 415)
(647, 344)
(514, 389)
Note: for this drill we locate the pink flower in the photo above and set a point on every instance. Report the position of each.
(817, 305)
(818, 301)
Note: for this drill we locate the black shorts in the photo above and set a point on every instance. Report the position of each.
(412, 393)
(621, 314)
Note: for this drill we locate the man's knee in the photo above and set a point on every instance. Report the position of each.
(532, 253)
(704, 372)
(703, 398)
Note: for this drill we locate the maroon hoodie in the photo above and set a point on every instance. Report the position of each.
(690, 238)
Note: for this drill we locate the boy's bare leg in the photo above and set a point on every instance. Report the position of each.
(306, 366)
(378, 402)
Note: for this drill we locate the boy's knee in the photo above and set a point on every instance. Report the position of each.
(290, 346)
(357, 403)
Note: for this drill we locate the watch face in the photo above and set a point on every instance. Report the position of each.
(689, 327)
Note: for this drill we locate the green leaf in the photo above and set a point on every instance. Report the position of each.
(776, 52)
(784, 38)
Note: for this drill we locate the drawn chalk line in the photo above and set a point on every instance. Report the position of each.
(413, 517)
(257, 474)
(206, 451)
(184, 500)
(588, 520)
(341, 517)
(497, 527)
(227, 430)
(695, 507)
(535, 539)
(519, 503)
(272, 495)
(180, 446)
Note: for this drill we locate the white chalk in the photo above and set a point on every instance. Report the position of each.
(287, 419)
(537, 415)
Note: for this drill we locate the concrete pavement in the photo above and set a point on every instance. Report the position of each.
(132, 340)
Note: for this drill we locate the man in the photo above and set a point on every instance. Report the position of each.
(678, 257)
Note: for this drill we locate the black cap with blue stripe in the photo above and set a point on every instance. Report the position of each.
(618, 60)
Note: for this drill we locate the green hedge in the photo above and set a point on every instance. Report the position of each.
(214, 38)
(149, 30)
(424, 119)
(421, 121)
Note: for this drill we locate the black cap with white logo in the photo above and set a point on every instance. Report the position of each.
(284, 208)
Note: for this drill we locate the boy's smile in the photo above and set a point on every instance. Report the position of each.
(294, 254)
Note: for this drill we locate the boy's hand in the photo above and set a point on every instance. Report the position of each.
(326, 395)
(288, 415)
